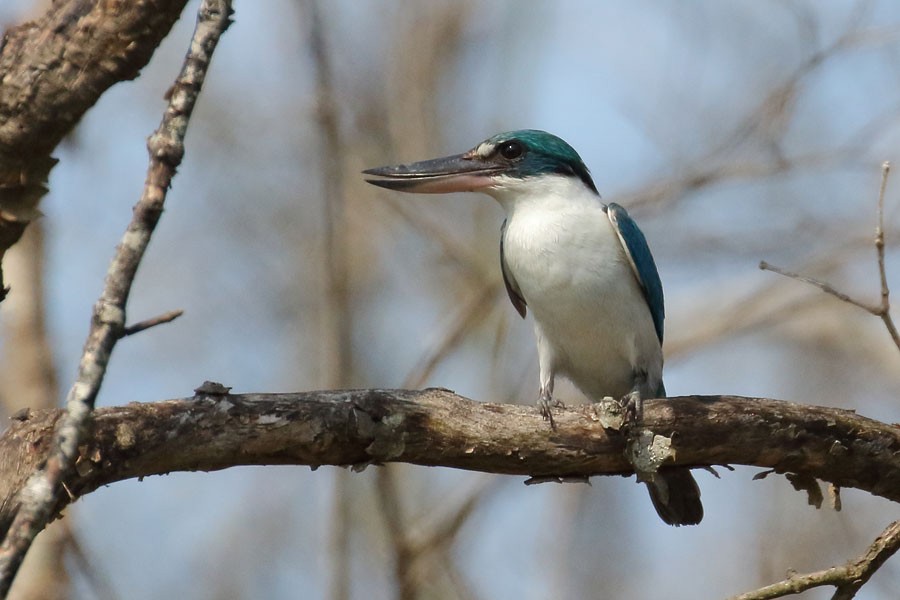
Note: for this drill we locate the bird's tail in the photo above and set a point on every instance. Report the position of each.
(676, 496)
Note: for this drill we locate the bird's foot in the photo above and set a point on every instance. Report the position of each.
(633, 406)
(546, 404)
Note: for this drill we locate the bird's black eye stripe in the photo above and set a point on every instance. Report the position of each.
(511, 150)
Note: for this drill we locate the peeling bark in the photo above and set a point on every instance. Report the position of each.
(436, 427)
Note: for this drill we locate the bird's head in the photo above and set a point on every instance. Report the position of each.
(506, 161)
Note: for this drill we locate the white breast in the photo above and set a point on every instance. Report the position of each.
(591, 319)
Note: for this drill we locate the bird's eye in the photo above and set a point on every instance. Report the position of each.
(512, 149)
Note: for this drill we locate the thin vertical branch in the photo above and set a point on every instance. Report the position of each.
(166, 148)
(337, 320)
(885, 309)
(388, 496)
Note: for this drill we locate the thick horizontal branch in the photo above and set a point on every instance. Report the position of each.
(436, 427)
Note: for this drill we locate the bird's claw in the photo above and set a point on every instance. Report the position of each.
(633, 407)
(546, 404)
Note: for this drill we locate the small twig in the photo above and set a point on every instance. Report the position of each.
(885, 309)
(847, 579)
(825, 287)
(166, 148)
(167, 317)
(881, 310)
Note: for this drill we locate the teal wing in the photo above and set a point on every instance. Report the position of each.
(642, 263)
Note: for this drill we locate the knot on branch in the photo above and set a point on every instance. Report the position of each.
(22, 184)
(647, 452)
(109, 314)
(166, 146)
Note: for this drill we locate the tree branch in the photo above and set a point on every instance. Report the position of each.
(847, 579)
(166, 148)
(883, 308)
(436, 427)
(53, 70)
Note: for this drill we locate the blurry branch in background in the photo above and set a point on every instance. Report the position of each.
(426, 41)
(462, 255)
(33, 504)
(767, 124)
(411, 550)
(764, 307)
(28, 380)
(882, 309)
(96, 578)
(336, 316)
(39, 105)
(419, 543)
(469, 315)
(847, 579)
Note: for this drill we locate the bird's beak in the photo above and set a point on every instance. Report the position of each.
(458, 173)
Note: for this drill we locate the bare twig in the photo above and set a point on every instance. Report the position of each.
(882, 309)
(140, 326)
(822, 285)
(166, 148)
(847, 579)
(885, 308)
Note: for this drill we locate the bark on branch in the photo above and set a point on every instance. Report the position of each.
(53, 69)
(436, 427)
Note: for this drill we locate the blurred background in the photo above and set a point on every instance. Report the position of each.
(733, 132)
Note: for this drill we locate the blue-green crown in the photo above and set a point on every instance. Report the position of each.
(542, 153)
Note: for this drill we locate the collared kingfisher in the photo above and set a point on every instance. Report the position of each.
(583, 268)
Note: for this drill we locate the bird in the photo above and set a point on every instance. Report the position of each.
(581, 266)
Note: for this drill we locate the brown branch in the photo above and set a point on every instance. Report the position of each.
(436, 427)
(847, 579)
(53, 70)
(166, 148)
